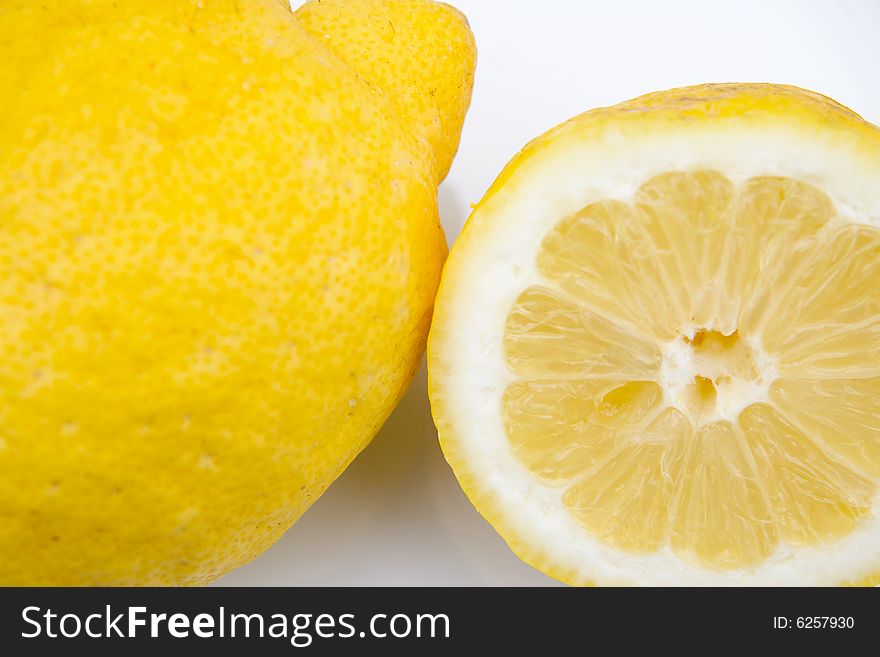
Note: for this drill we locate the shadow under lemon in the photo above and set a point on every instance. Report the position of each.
(395, 517)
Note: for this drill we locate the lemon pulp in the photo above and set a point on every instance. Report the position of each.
(699, 368)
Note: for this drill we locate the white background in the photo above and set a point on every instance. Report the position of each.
(397, 515)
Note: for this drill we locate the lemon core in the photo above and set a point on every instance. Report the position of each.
(712, 376)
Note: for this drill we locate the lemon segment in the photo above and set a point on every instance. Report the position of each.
(627, 501)
(814, 497)
(723, 518)
(839, 413)
(546, 334)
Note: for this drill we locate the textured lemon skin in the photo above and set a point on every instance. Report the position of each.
(219, 249)
(707, 106)
(430, 84)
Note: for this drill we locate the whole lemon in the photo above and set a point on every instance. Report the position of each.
(219, 246)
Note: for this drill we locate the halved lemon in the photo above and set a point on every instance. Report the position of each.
(655, 355)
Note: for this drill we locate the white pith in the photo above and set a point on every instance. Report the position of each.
(680, 367)
(507, 231)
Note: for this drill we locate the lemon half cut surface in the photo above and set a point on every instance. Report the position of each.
(655, 354)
